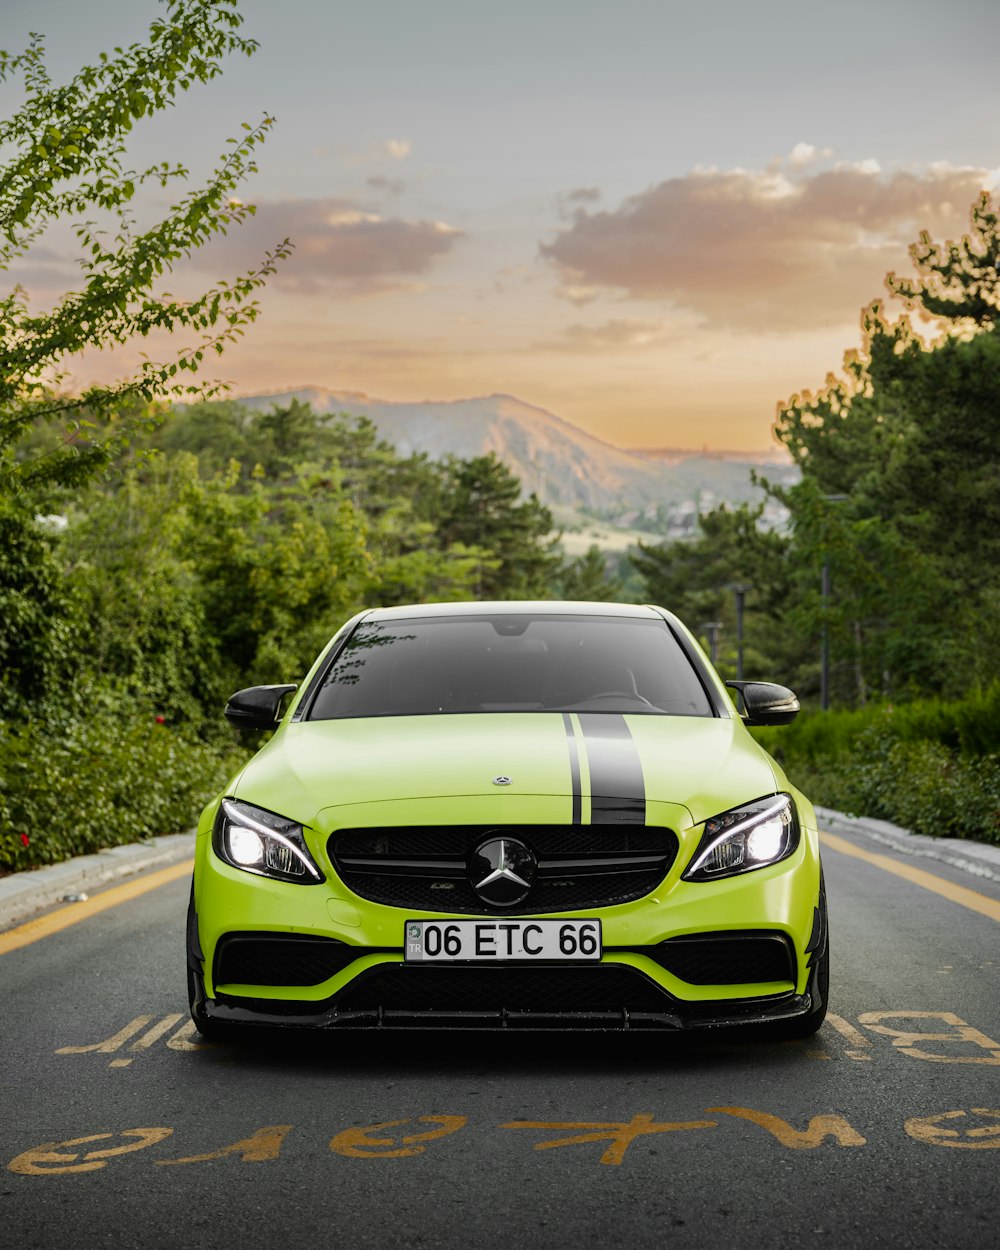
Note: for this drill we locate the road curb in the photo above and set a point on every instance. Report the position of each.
(977, 858)
(24, 893)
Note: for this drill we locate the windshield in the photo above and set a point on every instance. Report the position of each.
(508, 663)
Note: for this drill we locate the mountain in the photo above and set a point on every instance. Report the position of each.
(564, 465)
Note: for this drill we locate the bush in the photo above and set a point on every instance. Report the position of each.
(71, 784)
(930, 766)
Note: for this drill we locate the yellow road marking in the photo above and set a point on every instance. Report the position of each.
(858, 1040)
(938, 885)
(73, 913)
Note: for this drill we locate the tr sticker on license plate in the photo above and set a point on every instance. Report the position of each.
(490, 940)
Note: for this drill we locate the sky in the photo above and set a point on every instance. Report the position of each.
(656, 219)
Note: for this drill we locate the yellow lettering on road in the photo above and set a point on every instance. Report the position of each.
(621, 1135)
(183, 1039)
(904, 1039)
(156, 1032)
(179, 1041)
(927, 1129)
(73, 913)
(819, 1128)
(356, 1143)
(860, 1044)
(960, 894)
(55, 1159)
(263, 1146)
(110, 1044)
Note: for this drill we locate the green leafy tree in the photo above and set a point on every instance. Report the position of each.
(68, 163)
(129, 572)
(478, 507)
(588, 577)
(397, 496)
(276, 571)
(908, 440)
(36, 633)
(957, 280)
(696, 579)
(66, 170)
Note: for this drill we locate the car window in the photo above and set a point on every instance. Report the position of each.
(508, 663)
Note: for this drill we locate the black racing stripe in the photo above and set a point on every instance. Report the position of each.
(617, 790)
(574, 767)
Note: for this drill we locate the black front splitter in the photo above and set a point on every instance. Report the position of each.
(770, 1011)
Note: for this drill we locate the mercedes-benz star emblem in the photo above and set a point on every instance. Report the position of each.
(502, 871)
(501, 780)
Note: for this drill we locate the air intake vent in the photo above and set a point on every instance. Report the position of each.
(280, 959)
(745, 958)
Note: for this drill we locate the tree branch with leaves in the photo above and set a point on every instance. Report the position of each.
(70, 165)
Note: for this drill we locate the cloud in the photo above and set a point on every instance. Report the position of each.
(806, 153)
(763, 249)
(569, 202)
(582, 195)
(624, 334)
(387, 186)
(340, 244)
(396, 149)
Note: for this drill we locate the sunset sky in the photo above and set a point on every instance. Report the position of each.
(655, 219)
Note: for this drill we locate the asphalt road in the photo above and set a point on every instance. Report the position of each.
(119, 1129)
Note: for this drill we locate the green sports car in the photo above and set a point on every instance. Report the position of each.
(510, 815)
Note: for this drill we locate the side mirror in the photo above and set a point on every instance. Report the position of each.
(256, 707)
(765, 703)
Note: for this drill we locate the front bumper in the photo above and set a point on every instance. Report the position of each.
(634, 987)
(659, 1011)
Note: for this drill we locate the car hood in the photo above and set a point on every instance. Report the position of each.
(519, 767)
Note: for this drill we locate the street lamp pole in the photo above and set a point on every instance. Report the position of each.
(824, 652)
(824, 596)
(740, 591)
(712, 629)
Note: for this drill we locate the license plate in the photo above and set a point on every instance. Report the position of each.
(439, 941)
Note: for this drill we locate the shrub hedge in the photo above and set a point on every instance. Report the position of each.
(71, 784)
(931, 766)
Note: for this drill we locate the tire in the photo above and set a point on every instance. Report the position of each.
(210, 1030)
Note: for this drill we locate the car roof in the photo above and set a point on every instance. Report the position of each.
(516, 607)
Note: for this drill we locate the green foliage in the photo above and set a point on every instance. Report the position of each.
(276, 570)
(477, 507)
(958, 280)
(696, 580)
(97, 771)
(128, 574)
(292, 448)
(103, 628)
(900, 457)
(224, 560)
(931, 765)
(921, 786)
(67, 162)
(36, 634)
(969, 726)
(588, 578)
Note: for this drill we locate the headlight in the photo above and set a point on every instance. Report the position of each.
(260, 842)
(752, 836)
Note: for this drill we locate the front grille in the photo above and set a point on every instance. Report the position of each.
(280, 959)
(727, 958)
(579, 866)
(547, 991)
